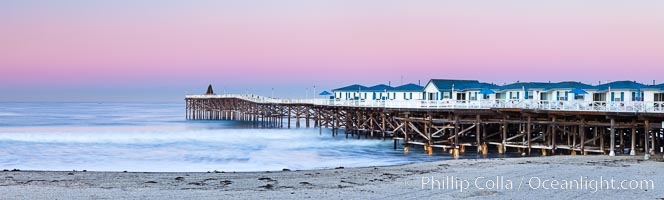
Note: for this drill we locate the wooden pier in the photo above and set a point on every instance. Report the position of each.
(453, 130)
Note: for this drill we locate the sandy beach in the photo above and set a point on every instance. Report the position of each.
(509, 178)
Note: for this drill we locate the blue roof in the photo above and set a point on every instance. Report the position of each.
(622, 85)
(459, 85)
(325, 93)
(379, 88)
(660, 86)
(487, 91)
(578, 91)
(545, 86)
(409, 87)
(463, 85)
(354, 87)
(522, 85)
(570, 85)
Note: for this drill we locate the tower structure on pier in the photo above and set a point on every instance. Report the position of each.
(209, 90)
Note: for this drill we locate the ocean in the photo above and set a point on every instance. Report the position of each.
(155, 137)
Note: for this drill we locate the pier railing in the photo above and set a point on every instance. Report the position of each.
(573, 105)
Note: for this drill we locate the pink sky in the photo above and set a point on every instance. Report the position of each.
(147, 50)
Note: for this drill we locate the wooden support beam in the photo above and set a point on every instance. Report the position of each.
(414, 128)
(516, 136)
(602, 134)
(612, 151)
(504, 127)
(439, 130)
(536, 138)
(308, 115)
(289, 116)
(405, 131)
(622, 142)
(348, 123)
(596, 135)
(371, 126)
(298, 111)
(489, 135)
(582, 133)
(529, 132)
(427, 128)
(461, 133)
(568, 134)
(632, 148)
(575, 132)
(357, 126)
(478, 134)
(317, 120)
(455, 152)
(399, 128)
(646, 136)
(593, 140)
(383, 129)
(554, 127)
(653, 146)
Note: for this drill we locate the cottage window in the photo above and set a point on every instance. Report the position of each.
(461, 96)
(599, 97)
(579, 97)
(637, 97)
(622, 97)
(473, 97)
(659, 97)
(530, 95)
(515, 96)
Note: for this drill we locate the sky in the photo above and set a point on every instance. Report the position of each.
(160, 50)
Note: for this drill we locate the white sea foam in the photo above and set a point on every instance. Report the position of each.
(185, 150)
(8, 114)
(146, 137)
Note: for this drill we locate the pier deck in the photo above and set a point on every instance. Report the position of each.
(550, 127)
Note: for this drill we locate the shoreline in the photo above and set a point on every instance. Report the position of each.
(276, 171)
(397, 181)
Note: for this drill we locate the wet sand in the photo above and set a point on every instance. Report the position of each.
(526, 175)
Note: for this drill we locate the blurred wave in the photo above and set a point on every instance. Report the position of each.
(154, 137)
